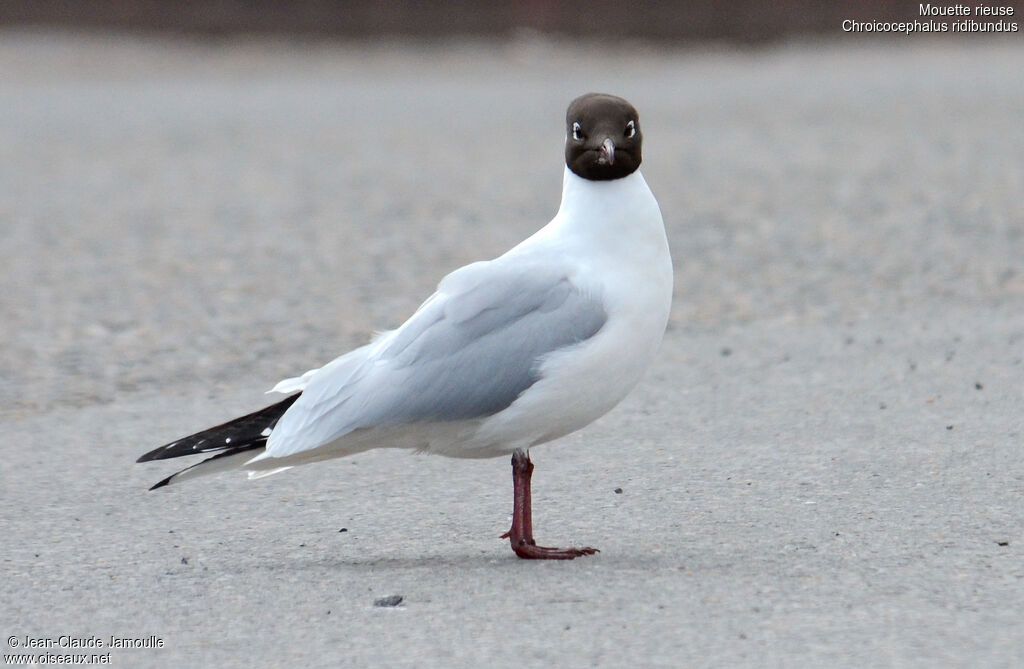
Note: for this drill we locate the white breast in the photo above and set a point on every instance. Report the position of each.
(613, 232)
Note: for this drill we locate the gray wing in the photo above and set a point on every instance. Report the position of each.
(468, 352)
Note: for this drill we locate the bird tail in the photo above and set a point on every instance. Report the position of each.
(231, 441)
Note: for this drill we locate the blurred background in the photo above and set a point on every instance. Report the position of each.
(171, 142)
(821, 469)
(735, 20)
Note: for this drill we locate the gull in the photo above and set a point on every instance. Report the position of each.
(507, 354)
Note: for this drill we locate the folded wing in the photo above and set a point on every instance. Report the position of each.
(468, 352)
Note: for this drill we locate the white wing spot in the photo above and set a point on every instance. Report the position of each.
(265, 432)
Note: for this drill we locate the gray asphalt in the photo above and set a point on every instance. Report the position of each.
(823, 467)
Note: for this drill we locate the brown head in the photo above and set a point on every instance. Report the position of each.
(603, 138)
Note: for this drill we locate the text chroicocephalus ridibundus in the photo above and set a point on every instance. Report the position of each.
(507, 354)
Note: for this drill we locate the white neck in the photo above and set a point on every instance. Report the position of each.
(576, 189)
(617, 218)
(617, 208)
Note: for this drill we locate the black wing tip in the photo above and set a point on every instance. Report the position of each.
(224, 454)
(152, 455)
(167, 451)
(203, 441)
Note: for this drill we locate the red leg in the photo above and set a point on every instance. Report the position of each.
(521, 534)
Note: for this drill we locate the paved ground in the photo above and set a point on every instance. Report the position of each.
(822, 469)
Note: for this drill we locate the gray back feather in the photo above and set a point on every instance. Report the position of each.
(473, 358)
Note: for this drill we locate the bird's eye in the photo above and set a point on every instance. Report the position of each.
(630, 129)
(577, 131)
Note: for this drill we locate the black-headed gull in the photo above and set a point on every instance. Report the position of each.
(508, 353)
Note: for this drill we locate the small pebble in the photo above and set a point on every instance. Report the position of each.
(393, 600)
(618, 491)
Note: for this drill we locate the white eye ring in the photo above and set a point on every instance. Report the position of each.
(630, 129)
(577, 131)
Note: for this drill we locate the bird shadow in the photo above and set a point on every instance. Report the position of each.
(460, 560)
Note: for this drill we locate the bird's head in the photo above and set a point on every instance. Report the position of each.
(603, 137)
